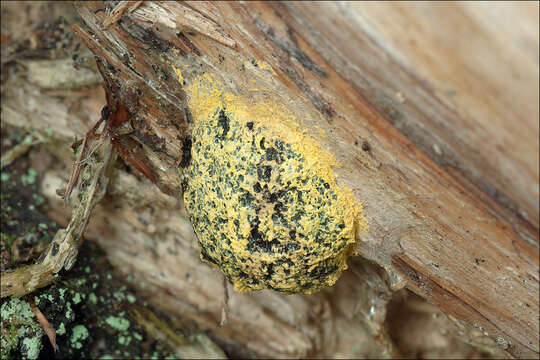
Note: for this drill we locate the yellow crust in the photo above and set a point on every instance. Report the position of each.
(261, 194)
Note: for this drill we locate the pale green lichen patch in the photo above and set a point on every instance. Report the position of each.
(4, 177)
(263, 199)
(76, 298)
(29, 178)
(78, 336)
(117, 323)
(124, 340)
(92, 298)
(20, 329)
(61, 329)
(31, 346)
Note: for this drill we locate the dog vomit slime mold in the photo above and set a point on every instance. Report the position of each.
(262, 197)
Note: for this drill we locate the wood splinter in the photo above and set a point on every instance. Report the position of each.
(119, 11)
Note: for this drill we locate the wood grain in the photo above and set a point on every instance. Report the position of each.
(432, 111)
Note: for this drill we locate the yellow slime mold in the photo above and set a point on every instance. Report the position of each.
(262, 197)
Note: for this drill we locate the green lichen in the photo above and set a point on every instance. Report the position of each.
(68, 305)
(62, 292)
(78, 335)
(69, 311)
(61, 329)
(16, 307)
(19, 329)
(29, 178)
(4, 177)
(31, 346)
(117, 323)
(119, 295)
(76, 298)
(124, 340)
(39, 201)
(92, 298)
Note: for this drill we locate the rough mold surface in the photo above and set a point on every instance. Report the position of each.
(265, 204)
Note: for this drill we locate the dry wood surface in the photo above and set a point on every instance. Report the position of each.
(431, 110)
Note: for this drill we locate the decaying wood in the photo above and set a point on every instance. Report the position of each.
(62, 251)
(119, 10)
(442, 155)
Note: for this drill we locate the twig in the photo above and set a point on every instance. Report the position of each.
(45, 324)
(119, 11)
(9, 156)
(79, 162)
(135, 5)
(199, 347)
(225, 305)
(63, 249)
(182, 17)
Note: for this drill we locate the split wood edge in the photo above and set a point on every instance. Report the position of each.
(63, 249)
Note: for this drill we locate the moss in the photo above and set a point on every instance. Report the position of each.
(7, 240)
(263, 200)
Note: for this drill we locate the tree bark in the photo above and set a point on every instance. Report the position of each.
(431, 110)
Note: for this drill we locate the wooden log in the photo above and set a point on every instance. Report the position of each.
(443, 157)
